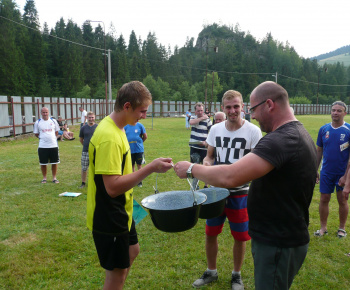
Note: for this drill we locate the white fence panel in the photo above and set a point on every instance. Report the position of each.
(28, 114)
(4, 117)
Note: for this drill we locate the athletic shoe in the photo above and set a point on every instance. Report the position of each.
(206, 278)
(236, 282)
(140, 184)
(82, 186)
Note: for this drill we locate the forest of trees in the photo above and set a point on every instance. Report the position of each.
(68, 61)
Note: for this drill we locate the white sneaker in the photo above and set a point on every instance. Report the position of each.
(206, 278)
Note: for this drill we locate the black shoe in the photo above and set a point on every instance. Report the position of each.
(140, 184)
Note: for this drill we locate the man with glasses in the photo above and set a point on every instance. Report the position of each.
(283, 168)
(333, 145)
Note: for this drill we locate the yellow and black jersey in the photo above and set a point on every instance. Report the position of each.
(109, 154)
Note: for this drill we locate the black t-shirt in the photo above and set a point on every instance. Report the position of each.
(278, 203)
(86, 133)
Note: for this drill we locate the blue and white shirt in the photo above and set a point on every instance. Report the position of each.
(199, 132)
(335, 144)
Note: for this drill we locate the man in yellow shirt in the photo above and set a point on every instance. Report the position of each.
(111, 182)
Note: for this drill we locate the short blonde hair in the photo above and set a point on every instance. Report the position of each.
(231, 94)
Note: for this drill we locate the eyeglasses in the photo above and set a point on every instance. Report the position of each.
(251, 110)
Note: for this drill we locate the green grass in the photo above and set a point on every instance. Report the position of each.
(341, 58)
(44, 242)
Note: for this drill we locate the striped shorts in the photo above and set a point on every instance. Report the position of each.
(237, 214)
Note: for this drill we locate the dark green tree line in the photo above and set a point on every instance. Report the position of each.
(67, 60)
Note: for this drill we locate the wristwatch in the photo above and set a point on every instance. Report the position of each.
(189, 171)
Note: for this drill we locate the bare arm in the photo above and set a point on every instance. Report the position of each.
(248, 168)
(197, 120)
(319, 158)
(118, 184)
(144, 137)
(210, 158)
(81, 140)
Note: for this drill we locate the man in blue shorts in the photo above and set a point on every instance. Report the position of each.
(136, 136)
(228, 141)
(333, 145)
(188, 117)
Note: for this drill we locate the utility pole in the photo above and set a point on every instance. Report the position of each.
(109, 76)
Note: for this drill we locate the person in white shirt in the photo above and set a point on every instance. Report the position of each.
(46, 129)
(83, 116)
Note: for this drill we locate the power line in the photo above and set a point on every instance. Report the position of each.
(174, 65)
(63, 39)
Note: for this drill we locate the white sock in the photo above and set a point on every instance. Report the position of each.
(212, 271)
(234, 272)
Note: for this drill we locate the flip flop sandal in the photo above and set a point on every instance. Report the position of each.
(43, 181)
(318, 233)
(55, 181)
(343, 235)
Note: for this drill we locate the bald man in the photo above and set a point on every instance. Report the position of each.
(219, 117)
(283, 170)
(46, 129)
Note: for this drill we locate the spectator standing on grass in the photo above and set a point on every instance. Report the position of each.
(111, 182)
(283, 170)
(83, 116)
(219, 117)
(242, 115)
(207, 112)
(136, 136)
(247, 114)
(46, 129)
(201, 125)
(333, 145)
(188, 117)
(85, 135)
(228, 141)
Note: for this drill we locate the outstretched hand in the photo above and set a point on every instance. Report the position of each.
(162, 165)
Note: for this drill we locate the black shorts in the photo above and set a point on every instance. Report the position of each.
(137, 158)
(197, 155)
(48, 156)
(113, 251)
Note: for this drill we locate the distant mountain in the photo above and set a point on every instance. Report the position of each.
(339, 51)
(341, 58)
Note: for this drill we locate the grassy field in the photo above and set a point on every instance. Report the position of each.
(341, 58)
(44, 242)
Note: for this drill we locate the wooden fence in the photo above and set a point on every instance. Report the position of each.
(18, 114)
